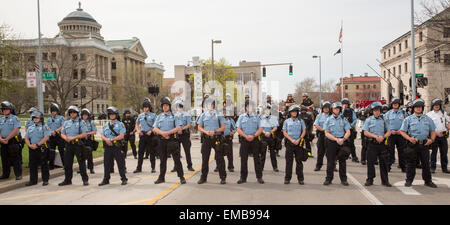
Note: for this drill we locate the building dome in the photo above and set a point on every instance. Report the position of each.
(79, 15)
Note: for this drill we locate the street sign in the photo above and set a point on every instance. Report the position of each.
(48, 76)
(419, 75)
(31, 79)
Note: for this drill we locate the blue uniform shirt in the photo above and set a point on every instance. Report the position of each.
(248, 123)
(268, 122)
(55, 122)
(294, 128)
(184, 117)
(8, 124)
(376, 126)
(210, 120)
(166, 122)
(229, 126)
(118, 127)
(146, 125)
(72, 128)
(320, 120)
(394, 119)
(337, 126)
(90, 126)
(418, 127)
(37, 132)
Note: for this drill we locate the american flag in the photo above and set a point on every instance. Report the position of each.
(340, 36)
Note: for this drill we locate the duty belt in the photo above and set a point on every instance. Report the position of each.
(171, 137)
(75, 142)
(374, 141)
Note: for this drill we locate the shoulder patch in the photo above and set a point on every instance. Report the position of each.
(47, 128)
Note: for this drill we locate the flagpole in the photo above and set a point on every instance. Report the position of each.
(342, 60)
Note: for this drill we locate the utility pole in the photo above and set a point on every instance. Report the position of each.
(39, 76)
(413, 55)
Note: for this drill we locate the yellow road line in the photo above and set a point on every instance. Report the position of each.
(151, 201)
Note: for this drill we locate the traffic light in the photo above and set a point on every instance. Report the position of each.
(264, 72)
(422, 82)
(290, 70)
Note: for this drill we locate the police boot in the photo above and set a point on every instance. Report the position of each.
(317, 168)
(124, 182)
(138, 171)
(216, 170)
(182, 180)
(3, 177)
(19, 178)
(160, 180)
(345, 183)
(276, 170)
(327, 182)
(408, 183)
(104, 182)
(301, 182)
(363, 162)
(92, 171)
(153, 170)
(45, 183)
(386, 184)
(30, 184)
(260, 180)
(445, 171)
(430, 184)
(173, 170)
(355, 159)
(64, 183)
(287, 181)
(369, 182)
(190, 168)
(241, 181)
(222, 181)
(201, 181)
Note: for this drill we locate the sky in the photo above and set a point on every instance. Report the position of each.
(275, 31)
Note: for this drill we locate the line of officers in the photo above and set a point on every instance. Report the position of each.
(163, 135)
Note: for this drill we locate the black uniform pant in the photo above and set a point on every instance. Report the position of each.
(228, 151)
(321, 147)
(400, 142)
(332, 149)
(132, 140)
(269, 144)
(246, 148)
(39, 157)
(442, 144)
(71, 151)
(423, 155)
(53, 142)
(291, 153)
(364, 147)
(146, 144)
(10, 154)
(379, 151)
(207, 144)
(164, 151)
(114, 153)
(185, 140)
(351, 142)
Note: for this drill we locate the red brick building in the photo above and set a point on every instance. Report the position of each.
(361, 88)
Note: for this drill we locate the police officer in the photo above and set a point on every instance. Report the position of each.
(384, 109)
(185, 134)
(36, 137)
(55, 123)
(230, 129)
(308, 120)
(166, 126)
(394, 119)
(294, 131)
(73, 132)
(419, 130)
(113, 134)
(130, 136)
(442, 122)
(249, 127)
(212, 125)
(337, 131)
(30, 122)
(10, 143)
(375, 130)
(144, 127)
(288, 103)
(349, 114)
(307, 102)
(365, 114)
(409, 110)
(91, 131)
(269, 123)
(320, 121)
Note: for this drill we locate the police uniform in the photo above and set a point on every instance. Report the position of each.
(10, 152)
(28, 124)
(114, 152)
(320, 121)
(364, 116)
(249, 125)
(228, 150)
(418, 127)
(72, 128)
(308, 120)
(146, 142)
(39, 156)
(350, 115)
(378, 127)
(394, 122)
(210, 121)
(294, 129)
(337, 126)
(54, 123)
(185, 137)
(167, 122)
(90, 126)
(440, 119)
(130, 125)
(268, 123)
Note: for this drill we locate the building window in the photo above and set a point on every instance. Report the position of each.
(399, 69)
(393, 71)
(384, 74)
(31, 58)
(53, 56)
(357, 86)
(406, 67)
(374, 86)
(113, 79)
(346, 87)
(420, 37)
(420, 62)
(113, 65)
(98, 108)
(384, 55)
(406, 43)
(437, 56)
(83, 92)
(83, 74)
(394, 50)
(75, 92)
(82, 57)
(447, 59)
(75, 74)
(446, 32)
(389, 53)
(45, 56)
(74, 57)
(400, 47)
(346, 95)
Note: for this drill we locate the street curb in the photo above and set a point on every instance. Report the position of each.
(15, 184)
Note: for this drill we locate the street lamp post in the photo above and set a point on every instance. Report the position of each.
(413, 63)
(320, 78)
(39, 76)
(212, 58)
